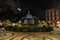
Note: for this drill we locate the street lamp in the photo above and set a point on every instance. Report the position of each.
(19, 9)
(14, 24)
(58, 24)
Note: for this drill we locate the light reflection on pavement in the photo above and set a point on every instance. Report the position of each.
(6, 35)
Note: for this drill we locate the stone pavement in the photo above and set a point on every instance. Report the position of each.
(7, 35)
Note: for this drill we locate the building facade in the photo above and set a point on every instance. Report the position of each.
(52, 16)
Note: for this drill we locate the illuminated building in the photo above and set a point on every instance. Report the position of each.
(52, 16)
(30, 20)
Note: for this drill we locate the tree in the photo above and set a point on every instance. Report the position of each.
(8, 23)
(42, 23)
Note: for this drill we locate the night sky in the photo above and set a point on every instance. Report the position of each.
(36, 4)
(36, 7)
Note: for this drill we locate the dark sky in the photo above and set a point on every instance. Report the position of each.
(37, 6)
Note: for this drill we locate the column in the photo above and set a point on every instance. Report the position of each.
(53, 17)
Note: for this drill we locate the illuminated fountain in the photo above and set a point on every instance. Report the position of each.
(29, 19)
(29, 15)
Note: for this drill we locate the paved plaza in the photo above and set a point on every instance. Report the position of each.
(8, 35)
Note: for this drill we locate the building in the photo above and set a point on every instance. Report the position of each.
(52, 16)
